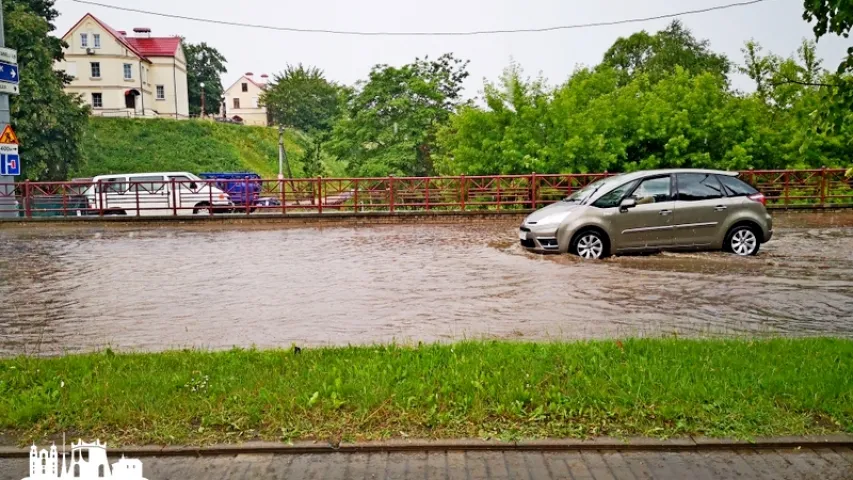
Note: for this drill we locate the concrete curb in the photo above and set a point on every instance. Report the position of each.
(637, 444)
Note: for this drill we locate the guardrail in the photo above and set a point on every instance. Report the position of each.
(819, 187)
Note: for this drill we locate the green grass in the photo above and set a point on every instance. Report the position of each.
(121, 145)
(655, 387)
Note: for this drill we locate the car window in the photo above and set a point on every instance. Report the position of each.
(114, 185)
(736, 187)
(653, 190)
(152, 184)
(693, 187)
(185, 183)
(614, 197)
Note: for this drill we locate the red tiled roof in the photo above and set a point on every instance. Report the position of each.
(156, 46)
(142, 47)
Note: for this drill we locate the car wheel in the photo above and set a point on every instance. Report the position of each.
(742, 241)
(590, 245)
(202, 209)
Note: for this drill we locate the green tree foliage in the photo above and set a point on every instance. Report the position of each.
(204, 65)
(301, 97)
(831, 16)
(599, 121)
(390, 122)
(657, 55)
(48, 121)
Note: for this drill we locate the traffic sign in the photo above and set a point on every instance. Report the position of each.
(9, 136)
(8, 72)
(8, 55)
(10, 161)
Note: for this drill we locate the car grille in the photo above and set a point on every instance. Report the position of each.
(524, 229)
(528, 243)
(548, 242)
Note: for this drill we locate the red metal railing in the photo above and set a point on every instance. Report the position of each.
(152, 196)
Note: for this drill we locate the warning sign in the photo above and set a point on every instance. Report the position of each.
(8, 136)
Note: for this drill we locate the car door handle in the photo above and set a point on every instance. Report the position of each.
(665, 212)
(720, 208)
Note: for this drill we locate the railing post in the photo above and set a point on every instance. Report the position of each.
(319, 194)
(787, 177)
(752, 178)
(534, 193)
(355, 196)
(137, 198)
(210, 196)
(175, 199)
(426, 193)
(498, 179)
(28, 208)
(246, 197)
(282, 192)
(391, 193)
(100, 188)
(464, 191)
(823, 186)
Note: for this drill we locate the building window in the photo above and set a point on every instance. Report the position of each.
(98, 100)
(84, 40)
(96, 70)
(96, 39)
(128, 71)
(245, 87)
(161, 92)
(236, 103)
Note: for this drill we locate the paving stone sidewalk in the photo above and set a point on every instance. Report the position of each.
(818, 464)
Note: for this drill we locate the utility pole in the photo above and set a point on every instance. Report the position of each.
(7, 187)
(202, 100)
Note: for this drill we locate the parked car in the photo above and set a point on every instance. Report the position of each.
(238, 189)
(651, 211)
(151, 194)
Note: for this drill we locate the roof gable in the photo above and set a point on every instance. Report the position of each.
(248, 80)
(142, 47)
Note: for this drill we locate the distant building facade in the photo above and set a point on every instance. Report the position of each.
(242, 101)
(126, 75)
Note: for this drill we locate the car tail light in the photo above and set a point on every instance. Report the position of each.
(758, 197)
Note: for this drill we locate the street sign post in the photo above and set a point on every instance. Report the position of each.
(10, 160)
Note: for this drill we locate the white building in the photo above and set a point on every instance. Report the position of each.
(242, 100)
(126, 75)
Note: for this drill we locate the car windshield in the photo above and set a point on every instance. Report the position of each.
(584, 194)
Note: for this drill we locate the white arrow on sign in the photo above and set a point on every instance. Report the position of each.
(13, 74)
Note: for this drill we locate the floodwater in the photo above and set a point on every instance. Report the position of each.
(81, 288)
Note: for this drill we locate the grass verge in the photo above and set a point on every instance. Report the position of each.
(654, 387)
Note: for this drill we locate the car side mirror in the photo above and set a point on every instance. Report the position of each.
(627, 204)
(193, 186)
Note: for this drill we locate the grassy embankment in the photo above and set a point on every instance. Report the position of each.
(656, 387)
(120, 145)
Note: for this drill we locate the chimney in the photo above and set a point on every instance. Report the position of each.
(265, 79)
(142, 32)
(122, 33)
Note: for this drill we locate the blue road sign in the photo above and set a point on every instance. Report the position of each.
(8, 73)
(10, 161)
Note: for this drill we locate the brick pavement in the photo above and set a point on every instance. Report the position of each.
(818, 464)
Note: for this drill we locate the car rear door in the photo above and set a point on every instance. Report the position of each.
(700, 209)
(648, 225)
(151, 193)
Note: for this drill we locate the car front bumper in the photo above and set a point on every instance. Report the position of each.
(542, 241)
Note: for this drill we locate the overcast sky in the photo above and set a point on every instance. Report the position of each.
(776, 24)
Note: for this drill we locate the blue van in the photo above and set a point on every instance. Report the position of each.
(235, 185)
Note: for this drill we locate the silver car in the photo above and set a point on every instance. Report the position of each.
(653, 210)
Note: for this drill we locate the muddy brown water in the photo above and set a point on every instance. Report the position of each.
(81, 289)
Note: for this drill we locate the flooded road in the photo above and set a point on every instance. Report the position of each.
(153, 289)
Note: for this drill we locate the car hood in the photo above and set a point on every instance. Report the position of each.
(554, 208)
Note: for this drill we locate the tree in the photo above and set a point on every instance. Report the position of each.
(204, 65)
(831, 16)
(390, 123)
(301, 97)
(49, 122)
(659, 54)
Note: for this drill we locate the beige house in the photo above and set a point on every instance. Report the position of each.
(242, 101)
(126, 75)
